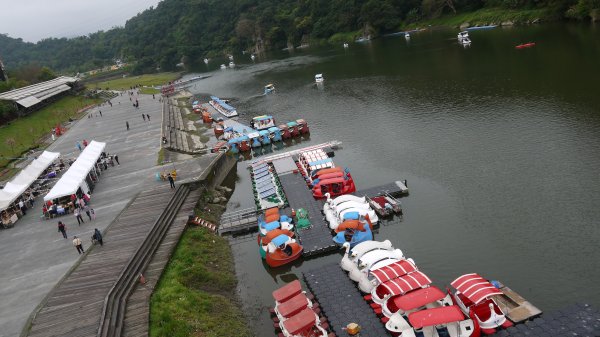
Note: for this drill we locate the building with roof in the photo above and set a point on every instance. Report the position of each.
(35, 96)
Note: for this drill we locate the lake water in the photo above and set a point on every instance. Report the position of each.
(500, 147)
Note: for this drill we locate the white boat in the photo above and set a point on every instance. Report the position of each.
(376, 257)
(466, 41)
(319, 78)
(407, 36)
(231, 64)
(252, 57)
(269, 88)
(441, 321)
(345, 45)
(463, 35)
(343, 198)
(230, 57)
(351, 257)
(399, 286)
(223, 66)
(205, 61)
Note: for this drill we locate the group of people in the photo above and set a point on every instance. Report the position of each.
(96, 238)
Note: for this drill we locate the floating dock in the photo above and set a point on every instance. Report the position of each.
(244, 220)
(341, 302)
(317, 239)
(578, 320)
(395, 189)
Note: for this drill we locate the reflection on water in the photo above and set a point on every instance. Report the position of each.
(500, 148)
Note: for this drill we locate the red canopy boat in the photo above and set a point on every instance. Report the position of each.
(399, 286)
(474, 295)
(525, 45)
(287, 291)
(394, 270)
(305, 323)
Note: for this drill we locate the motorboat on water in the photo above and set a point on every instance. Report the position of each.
(475, 296)
(407, 36)
(231, 64)
(252, 57)
(319, 78)
(223, 107)
(223, 66)
(466, 41)
(354, 234)
(269, 88)
(463, 35)
(345, 45)
(205, 61)
(230, 57)
(351, 256)
(302, 126)
(441, 321)
(262, 122)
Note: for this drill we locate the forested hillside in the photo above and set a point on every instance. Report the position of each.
(189, 30)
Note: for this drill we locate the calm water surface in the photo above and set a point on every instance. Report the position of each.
(500, 147)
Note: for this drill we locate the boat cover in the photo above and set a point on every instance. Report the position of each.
(475, 287)
(406, 283)
(261, 170)
(394, 270)
(265, 188)
(264, 183)
(293, 305)
(418, 298)
(274, 129)
(268, 193)
(222, 104)
(263, 179)
(435, 316)
(263, 132)
(271, 226)
(287, 291)
(253, 135)
(320, 162)
(280, 240)
(257, 166)
(291, 124)
(261, 175)
(303, 321)
(352, 216)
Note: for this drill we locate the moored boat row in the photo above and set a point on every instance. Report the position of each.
(256, 139)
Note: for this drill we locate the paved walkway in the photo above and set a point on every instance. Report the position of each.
(34, 255)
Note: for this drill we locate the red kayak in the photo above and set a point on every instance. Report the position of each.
(525, 45)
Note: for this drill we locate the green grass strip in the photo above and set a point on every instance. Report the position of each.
(196, 294)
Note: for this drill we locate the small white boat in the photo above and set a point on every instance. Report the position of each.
(205, 61)
(319, 78)
(343, 198)
(252, 57)
(269, 88)
(466, 41)
(345, 45)
(230, 57)
(231, 64)
(407, 36)
(463, 35)
(351, 257)
(223, 66)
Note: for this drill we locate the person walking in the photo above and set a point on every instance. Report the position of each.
(144, 117)
(148, 116)
(100, 111)
(78, 216)
(82, 203)
(78, 146)
(78, 245)
(87, 211)
(127, 124)
(85, 143)
(22, 207)
(117, 159)
(31, 200)
(171, 181)
(93, 213)
(63, 229)
(98, 236)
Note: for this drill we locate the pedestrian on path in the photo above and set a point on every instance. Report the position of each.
(144, 117)
(78, 217)
(82, 203)
(63, 229)
(127, 124)
(78, 245)
(93, 213)
(22, 207)
(87, 211)
(148, 116)
(171, 181)
(97, 236)
(78, 146)
(100, 111)
(117, 159)
(85, 143)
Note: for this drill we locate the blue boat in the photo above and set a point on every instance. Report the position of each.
(269, 88)
(355, 236)
(265, 137)
(222, 107)
(254, 139)
(482, 27)
(275, 134)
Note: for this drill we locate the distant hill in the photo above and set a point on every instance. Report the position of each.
(190, 30)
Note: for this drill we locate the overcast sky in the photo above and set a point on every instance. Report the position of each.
(33, 20)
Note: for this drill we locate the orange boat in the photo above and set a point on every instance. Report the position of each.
(206, 117)
(350, 224)
(326, 171)
(284, 255)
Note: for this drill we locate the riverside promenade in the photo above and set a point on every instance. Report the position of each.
(35, 256)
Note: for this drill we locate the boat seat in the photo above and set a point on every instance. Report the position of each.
(271, 226)
(265, 188)
(267, 194)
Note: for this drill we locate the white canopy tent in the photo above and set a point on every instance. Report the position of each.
(75, 176)
(15, 188)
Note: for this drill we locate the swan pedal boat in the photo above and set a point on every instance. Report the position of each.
(376, 276)
(376, 259)
(475, 296)
(422, 298)
(351, 257)
(442, 321)
(398, 286)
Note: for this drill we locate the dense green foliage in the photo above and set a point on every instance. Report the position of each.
(189, 30)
